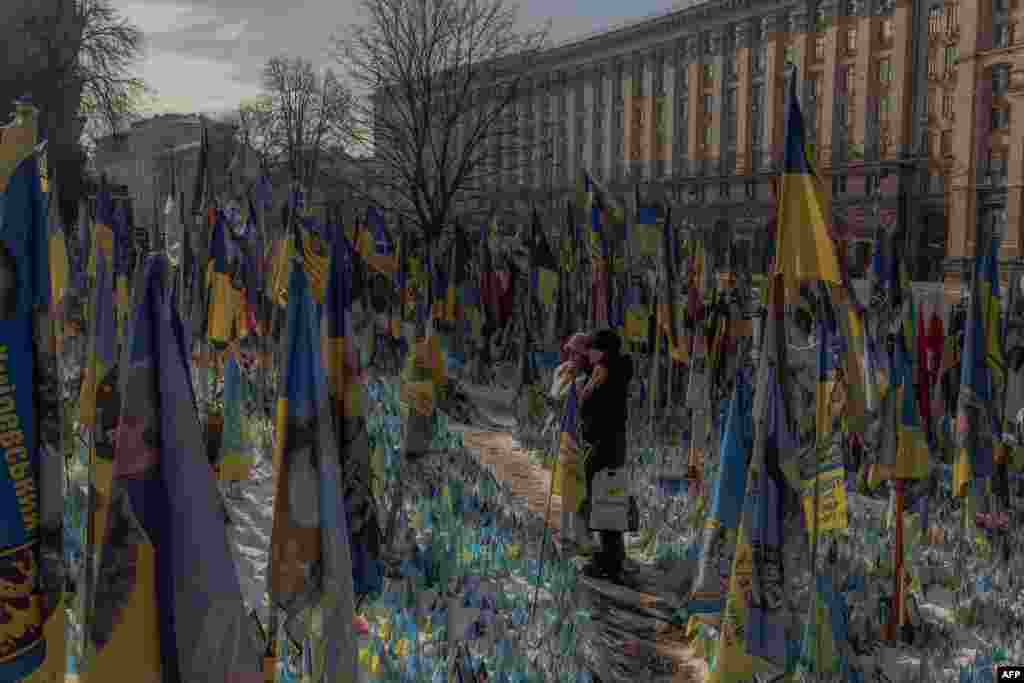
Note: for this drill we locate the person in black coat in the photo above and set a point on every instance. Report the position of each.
(603, 426)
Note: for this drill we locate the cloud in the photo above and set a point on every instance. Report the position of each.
(203, 53)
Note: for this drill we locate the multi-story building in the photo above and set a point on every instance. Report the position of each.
(144, 157)
(908, 107)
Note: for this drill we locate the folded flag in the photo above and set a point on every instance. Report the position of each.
(181, 618)
(805, 250)
(310, 561)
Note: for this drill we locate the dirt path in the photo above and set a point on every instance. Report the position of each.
(633, 638)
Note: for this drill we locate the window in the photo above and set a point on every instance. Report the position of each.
(812, 88)
(723, 191)
(1003, 35)
(951, 56)
(819, 47)
(819, 19)
(838, 185)
(885, 104)
(947, 106)
(885, 71)
(708, 105)
(996, 166)
(1000, 118)
(1000, 6)
(933, 65)
(1000, 80)
(751, 189)
(759, 60)
(709, 135)
(888, 30)
(851, 40)
(952, 17)
(791, 55)
(709, 74)
(853, 7)
(935, 20)
(946, 143)
(729, 103)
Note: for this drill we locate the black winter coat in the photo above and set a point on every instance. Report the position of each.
(603, 418)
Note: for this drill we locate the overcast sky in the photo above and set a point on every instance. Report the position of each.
(206, 55)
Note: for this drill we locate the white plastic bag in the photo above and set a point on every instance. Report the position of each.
(609, 509)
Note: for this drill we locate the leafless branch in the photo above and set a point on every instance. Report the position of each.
(441, 79)
(303, 118)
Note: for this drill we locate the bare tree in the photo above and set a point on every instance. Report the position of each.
(441, 79)
(257, 129)
(305, 117)
(75, 58)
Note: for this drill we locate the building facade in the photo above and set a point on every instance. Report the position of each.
(147, 156)
(909, 106)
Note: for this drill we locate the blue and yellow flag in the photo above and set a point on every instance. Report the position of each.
(977, 422)
(753, 637)
(181, 618)
(646, 235)
(236, 453)
(310, 521)
(225, 300)
(722, 525)
(570, 463)
(58, 255)
(101, 356)
(23, 260)
(376, 246)
(345, 389)
(805, 249)
(122, 253)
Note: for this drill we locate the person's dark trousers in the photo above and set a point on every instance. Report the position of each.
(612, 554)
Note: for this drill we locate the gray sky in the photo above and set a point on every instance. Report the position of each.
(206, 55)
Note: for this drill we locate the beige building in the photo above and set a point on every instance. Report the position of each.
(144, 158)
(909, 106)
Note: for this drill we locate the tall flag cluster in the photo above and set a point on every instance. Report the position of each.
(29, 559)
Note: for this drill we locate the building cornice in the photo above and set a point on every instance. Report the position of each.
(657, 32)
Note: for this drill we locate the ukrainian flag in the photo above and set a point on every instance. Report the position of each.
(341, 356)
(58, 252)
(310, 520)
(24, 251)
(722, 525)
(646, 234)
(981, 366)
(570, 463)
(144, 626)
(805, 250)
(376, 246)
(236, 455)
(345, 390)
(103, 339)
(637, 315)
(102, 231)
(122, 242)
(225, 300)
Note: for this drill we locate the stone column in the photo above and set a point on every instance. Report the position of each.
(693, 116)
(670, 114)
(860, 80)
(828, 88)
(1015, 168)
(715, 57)
(777, 29)
(743, 36)
(963, 192)
(650, 61)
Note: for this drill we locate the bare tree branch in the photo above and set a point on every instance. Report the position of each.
(440, 79)
(303, 118)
